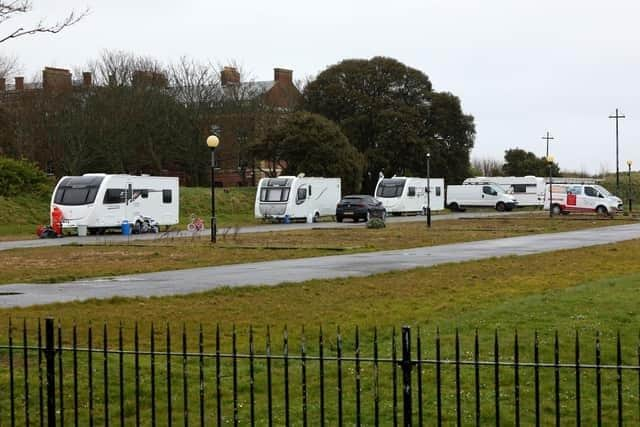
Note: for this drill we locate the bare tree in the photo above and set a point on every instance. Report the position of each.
(487, 166)
(13, 8)
(117, 67)
(8, 65)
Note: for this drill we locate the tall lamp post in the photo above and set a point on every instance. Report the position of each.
(550, 160)
(212, 142)
(617, 116)
(428, 190)
(629, 163)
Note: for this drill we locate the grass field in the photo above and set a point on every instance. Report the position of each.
(55, 264)
(585, 290)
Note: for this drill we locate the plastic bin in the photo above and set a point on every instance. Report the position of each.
(125, 228)
(82, 230)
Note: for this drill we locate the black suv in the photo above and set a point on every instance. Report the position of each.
(359, 207)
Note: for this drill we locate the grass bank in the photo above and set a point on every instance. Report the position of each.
(19, 216)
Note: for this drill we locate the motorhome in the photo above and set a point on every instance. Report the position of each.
(566, 198)
(297, 198)
(100, 201)
(460, 197)
(528, 190)
(410, 195)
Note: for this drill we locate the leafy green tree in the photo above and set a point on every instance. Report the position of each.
(311, 144)
(389, 113)
(519, 162)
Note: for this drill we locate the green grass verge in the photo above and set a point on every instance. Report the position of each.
(585, 290)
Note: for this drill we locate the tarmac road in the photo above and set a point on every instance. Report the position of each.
(275, 272)
(118, 238)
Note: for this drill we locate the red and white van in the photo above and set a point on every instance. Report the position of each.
(581, 198)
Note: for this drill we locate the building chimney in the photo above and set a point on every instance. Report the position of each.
(86, 79)
(3, 84)
(19, 83)
(229, 75)
(283, 75)
(56, 79)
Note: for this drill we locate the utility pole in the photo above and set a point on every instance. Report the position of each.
(547, 137)
(617, 116)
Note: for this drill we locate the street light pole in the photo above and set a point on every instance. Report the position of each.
(617, 116)
(212, 143)
(428, 190)
(629, 163)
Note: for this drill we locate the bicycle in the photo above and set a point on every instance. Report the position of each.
(196, 224)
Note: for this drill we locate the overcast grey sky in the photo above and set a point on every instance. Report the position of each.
(519, 67)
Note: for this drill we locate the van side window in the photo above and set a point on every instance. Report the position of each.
(114, 195)
(166, 196)
(411, 191)
(577, 190)
(590, 191)
(490, 191)
(438, 191)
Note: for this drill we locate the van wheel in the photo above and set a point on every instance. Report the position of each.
(316, 217)
(339, 218)
(500, 207)
(601, 210)
(556, 209)
(454, 207)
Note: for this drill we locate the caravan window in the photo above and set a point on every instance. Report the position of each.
(279, 194)
(390, 188)
(114, 195)
(411, 191)
(438, 191)
(301, 196)
(166, 196)
(140, 193)
(77, 190)
(519, 188)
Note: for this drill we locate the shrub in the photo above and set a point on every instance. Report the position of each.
(20, 176)
(376, 223)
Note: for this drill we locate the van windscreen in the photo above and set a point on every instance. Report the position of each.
(390, 188)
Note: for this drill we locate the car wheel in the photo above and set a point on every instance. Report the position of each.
(556, 209)
(500, 207)
(601, 210)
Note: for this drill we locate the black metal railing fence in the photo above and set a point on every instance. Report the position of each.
(48, 377)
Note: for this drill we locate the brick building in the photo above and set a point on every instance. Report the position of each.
(246, 107)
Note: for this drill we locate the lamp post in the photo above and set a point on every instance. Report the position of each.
(550, 161)
(212, 142)
(629, 163)
(428, 190)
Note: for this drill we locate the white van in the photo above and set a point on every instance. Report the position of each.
(528, 190)
(297, 197)
(409, 195)
(484, 195)
(100, 201)
(581, 198)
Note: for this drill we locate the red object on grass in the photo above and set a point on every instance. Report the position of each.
(56, 220)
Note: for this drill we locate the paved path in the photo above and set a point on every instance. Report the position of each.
(117, 238)
(274, 272)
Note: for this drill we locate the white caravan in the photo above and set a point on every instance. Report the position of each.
(297, 197)
(100, 201)
(484, 195)
(581, 198)
(402, 194)
(528, 190)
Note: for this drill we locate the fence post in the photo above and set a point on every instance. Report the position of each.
(50, 354)
(406, 374)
